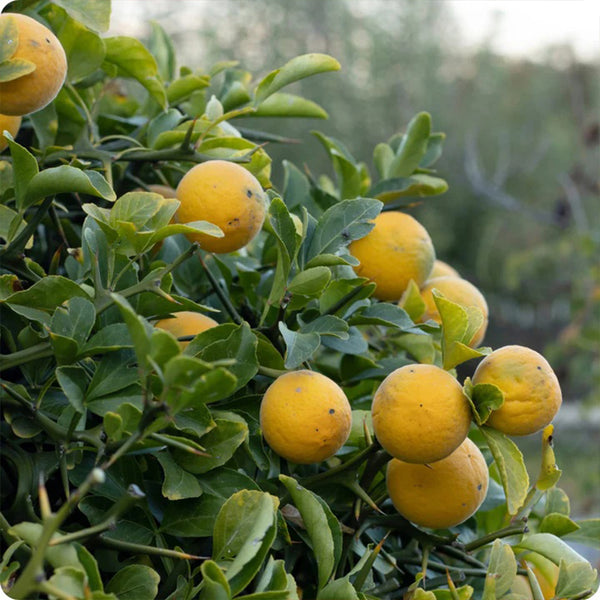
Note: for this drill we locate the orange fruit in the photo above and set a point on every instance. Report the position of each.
(186, 323)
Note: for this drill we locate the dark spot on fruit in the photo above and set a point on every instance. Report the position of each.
(412, 370)
(316, 429)
(48, 41)
(464, 503)
(331, 411)
(249, 193)
(421, 405)
(298, 389)
(479, 486)
(539, 368)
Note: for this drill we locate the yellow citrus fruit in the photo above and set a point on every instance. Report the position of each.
(227, 195)
(546, 574)
(461, 292)
(305, 417)
(420, 413)
(532, 394)
(10, 124)
(441, 494)
(442, 269)
(395, 251)
(186, 323)
(38, 45)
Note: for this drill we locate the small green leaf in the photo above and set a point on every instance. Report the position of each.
(24, 167)
(310, 282)
(13, 68)
(415, 186)
(383, 155)
(134, 60)
(339, 588)
(215, 585)
(161, 47)
(9, 38)
(177, 484)
(483, 398)
(11, 225)
(182, 88)
(511, 467)
(75, 320)
(413, 147)
(386, 315)
(557, 501)
(134, 582)
(588, 533)
(95, 16)
(47, 294)
(551, 547)
(574, 579)
(412, 301)
(289, 105)
(299, 346)
(69, 580)
(295, 69)
(317, 525)
(557, 524)
(74, 382)
(501, 572)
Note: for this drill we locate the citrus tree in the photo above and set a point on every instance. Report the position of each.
(213, 388)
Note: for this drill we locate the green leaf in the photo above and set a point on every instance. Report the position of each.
(511, 467)
(295, 69)
(383, 155)
(354, 344)
(386, 315)
(177, 483)
(220, 443)
(413, 147)
(69, 580)
(483, 398)
(415, 186)
(557, 501)
(9, 38)
(112, 337)
(161, 47)
(341, 224)
(84, 49)
(11, 225)
(13, 68)
(338, 588)
(296, 187)
(574, 579)
(317, 525)
(289, 105)
(185, 86)
(328, 325)
(66, 179)
(275, 578)
(134, 60)
(74, 382)
(244, 531)
(412, 301)
(164, 121)
(214, 582)
(24, 167)
(551, 547)
(90, 566)
(95, 16)
(76, 320)
(557, 524)
(310, 282)
(435, 144)
(299, 346)
(588, 533)
(134, 582)
(191, 518)
(46, 294)
(501, 572)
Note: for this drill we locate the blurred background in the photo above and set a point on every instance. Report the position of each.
(514, 85)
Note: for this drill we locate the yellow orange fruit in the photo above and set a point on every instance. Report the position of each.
(227, 195)
(420, 414)
(532, 394)
(10, 124)
(37, 45)
(441, 494)
(459, 291)
(305, 417)
(443, 269)
(395, 251)
(186, 323)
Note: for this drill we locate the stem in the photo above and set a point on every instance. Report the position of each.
(460, 555)
(141, 549)
(233, 313)
(501, 533)
(83, 533)
(442, 568)
(345, 299)
(163, 439)
(18, 244)
(136, 437)
(273, 373)
(41, 350)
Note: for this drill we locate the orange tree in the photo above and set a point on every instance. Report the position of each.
(135, 465)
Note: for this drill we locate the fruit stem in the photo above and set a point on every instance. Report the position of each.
(141, 549)
(501, 533)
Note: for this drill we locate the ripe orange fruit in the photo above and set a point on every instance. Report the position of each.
(10, 124)
(442, 269)
(305, 417)
(395, 251)
(441, 494)
(461, 292)
(227, 195)
(186, 323)
(532, 394)
(420, 414)
(40, 47)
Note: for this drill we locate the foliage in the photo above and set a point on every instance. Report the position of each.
(134, 469)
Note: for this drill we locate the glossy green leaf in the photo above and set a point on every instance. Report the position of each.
(317, 525)
(413, 147)
(412, 301)
(177, 484)
(550, 546)
(47, 294)
(112, 337)
(191, 518)
(509, 461)
(95, 16)
(215, 585)
(327, 325)
(386, 315)
(69, 580)
(501, 571)
(13, 68)
(435, 144)
(341, 224)
(162, 48)
(11, 225)
(310, 282)
(24, 168)
(383, 156)
(66, 179)
(557, 524)
(74, 382)
(299, 346)
(134, 582)
(588, 532)
(557, 501)
(75, 320)
(338, 588)
(295, 69)
(289, 105)
(483, 398)
(575, 579)
(134, 60)
(415, 186)
(182, 88)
